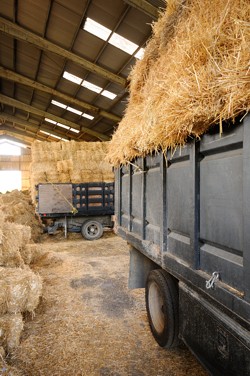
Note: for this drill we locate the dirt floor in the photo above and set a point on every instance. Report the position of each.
(88, 322)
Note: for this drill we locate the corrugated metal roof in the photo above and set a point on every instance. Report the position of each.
(41, 40)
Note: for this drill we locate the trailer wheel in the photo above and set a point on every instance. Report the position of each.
(92, 230)
(162, 307)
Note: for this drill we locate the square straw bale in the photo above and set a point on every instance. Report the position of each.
(12, 240)
(194, 74)
(11, 327)
(26, 253)
(64, 166)
(20, 290)
(9, 370)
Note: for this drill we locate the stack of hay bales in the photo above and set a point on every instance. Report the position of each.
(69, 162)
(195, 73)
(18, 208)
(20, 287)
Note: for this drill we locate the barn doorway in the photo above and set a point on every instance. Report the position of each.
(10, 180)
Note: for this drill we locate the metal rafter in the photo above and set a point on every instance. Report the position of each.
(10, 75)
(41, 51)
(23, 133)
(71, 46)
(145, 7)
(33, 128)
(20, 33)
(25, 107)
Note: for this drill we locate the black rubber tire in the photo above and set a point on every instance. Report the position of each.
(162, 300)
(92, 230)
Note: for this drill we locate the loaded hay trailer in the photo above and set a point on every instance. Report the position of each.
(185, 211)
(85, 207)
(186, 217)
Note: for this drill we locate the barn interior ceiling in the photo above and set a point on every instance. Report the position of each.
(64, 65)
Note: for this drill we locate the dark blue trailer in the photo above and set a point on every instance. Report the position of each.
(85, 207)
(186, 217)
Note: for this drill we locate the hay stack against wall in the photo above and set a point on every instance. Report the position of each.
(20, 288)
(69, 162)
(195, 73)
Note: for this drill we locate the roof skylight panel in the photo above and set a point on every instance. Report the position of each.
(87, 116)
(62, 125)
(88, 85)
(108, 94)
(52, 135)
(114, 39)
(59, 104)
(72, 77)
(68, 108)
(74, 110)
(139, 55)
(56, 123)
(50, 121)
(96, 29)
(92, 87)
(74, 130)
(98, 89)
(123, 44)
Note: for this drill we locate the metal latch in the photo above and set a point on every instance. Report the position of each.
(211, 282)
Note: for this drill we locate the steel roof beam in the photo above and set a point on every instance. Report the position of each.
(25, 107)
(24, 35)
(8, 131)
(145, 7)
(31, 127)
(4, 134)
(10, 75)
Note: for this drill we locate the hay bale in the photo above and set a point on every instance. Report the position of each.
(1, 236)
(2, 216)
(11, 326)
(20, 290)
(3, 300)
(75, 162)
(9, 370)
(64, 165)
(44, 166)
(26, 253)
(32, 252)
(75, 177)
(36, 253)
(43, 151)
(12, 240)
(195, 73)
(18, 208)
(26, 235)
(2, 352)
